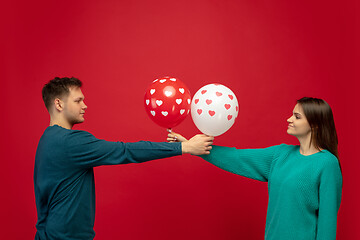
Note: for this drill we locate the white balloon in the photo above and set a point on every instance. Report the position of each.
(214, 109)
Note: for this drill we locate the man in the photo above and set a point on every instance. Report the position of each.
(63, 173)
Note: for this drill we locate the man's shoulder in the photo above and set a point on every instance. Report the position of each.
(62, 135)
(57, 140)
(60, 131)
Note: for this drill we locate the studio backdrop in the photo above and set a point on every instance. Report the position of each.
(269, 53)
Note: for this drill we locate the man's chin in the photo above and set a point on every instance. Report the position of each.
(78, 121)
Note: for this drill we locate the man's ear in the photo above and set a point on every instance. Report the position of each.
(59, 105)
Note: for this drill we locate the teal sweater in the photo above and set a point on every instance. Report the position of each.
(304, 191)
(64, 178)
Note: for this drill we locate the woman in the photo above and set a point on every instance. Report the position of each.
(304, 181)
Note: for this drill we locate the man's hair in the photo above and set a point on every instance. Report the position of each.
(57, 88)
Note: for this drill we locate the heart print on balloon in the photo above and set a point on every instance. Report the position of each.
(167, 101)
(214, 109)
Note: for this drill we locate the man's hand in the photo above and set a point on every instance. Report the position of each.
(198, 145)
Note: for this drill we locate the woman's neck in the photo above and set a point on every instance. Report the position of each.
(306, 146)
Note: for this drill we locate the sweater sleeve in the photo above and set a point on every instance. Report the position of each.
(251, 163)
(329, 200)
(84, 150)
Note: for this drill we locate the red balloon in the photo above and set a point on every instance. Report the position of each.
(167, 101)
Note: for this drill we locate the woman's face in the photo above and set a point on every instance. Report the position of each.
(298, 124)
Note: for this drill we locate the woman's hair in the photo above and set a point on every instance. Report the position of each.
(320, 118)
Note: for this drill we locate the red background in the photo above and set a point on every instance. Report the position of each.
(270, 53)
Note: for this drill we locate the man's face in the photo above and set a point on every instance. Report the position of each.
(74, 106)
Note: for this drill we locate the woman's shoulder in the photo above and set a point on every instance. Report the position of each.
(286, 148)
(327, 159)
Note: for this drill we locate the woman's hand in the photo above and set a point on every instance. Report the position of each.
(200, 144)
(175, 137)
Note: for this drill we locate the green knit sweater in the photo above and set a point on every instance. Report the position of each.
(304, 191)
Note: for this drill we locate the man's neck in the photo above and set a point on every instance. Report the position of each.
(60, 123)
